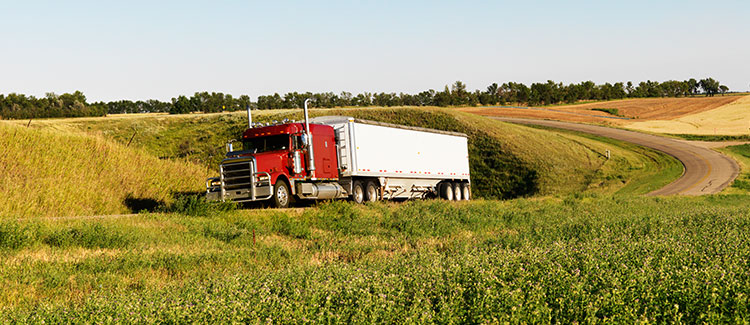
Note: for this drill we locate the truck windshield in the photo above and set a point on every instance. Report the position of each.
(269, 143)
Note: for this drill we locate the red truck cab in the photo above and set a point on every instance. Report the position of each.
(276, 156)
(274, 146)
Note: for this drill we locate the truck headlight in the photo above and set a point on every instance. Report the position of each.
(215, 183)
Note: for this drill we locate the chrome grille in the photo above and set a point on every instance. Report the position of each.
(236, 175)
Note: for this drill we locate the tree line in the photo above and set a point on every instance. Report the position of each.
(19, 106)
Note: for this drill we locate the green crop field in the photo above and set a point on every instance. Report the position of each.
(581, 258)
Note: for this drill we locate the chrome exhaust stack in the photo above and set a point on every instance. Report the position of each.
(249, 118)
(310, 154)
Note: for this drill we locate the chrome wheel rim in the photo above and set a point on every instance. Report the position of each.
(372, 194)
(457, 193)
(359, 195)
(282, 196)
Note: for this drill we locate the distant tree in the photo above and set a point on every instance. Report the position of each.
(180, 105)
(723, 89)
(443, 98)
(709, 86)
(493, 94)
(426, 98)
(459, 95)
(692, 86)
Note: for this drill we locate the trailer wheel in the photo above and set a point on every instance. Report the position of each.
(446, 191)
(371, 192)
(466, 191)
(281, 195)
(456, 191)
(358, 193)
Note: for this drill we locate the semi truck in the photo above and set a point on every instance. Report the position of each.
(340, 157)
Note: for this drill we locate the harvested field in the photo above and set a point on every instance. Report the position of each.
(635, 109)
(660, 108)
(730, 119)
(558, 113)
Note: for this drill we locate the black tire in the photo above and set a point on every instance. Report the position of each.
(466, 191)
(446, 191)
(358, 192)
(371, 192)
(282, 196)
(457, 192)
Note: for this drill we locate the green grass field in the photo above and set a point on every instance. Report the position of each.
(741, 154)
(589, 258)
(572, 241)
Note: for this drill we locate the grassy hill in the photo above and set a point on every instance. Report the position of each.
(64, 173)
(507, 160)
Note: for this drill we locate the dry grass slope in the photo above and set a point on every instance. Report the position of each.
(50, 173)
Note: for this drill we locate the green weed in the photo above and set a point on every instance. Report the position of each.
(89, 235)
(196, 205)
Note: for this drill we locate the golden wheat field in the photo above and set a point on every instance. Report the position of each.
(635, 110)
(730, 119)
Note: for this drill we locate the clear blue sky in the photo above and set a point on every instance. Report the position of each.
(160, 49)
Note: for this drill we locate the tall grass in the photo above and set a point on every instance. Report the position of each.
(52, 173)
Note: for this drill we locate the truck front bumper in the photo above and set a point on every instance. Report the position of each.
(238, 195)
(239, 182)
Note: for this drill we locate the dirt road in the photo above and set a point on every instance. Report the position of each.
(706, 171)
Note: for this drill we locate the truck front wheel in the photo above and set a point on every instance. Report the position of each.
(281, 195)
(358, 192)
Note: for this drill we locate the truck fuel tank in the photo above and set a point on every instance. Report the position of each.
(320, 191)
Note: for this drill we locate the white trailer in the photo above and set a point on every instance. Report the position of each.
(387, 161)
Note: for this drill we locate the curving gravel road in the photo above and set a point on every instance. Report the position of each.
(706, 171)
